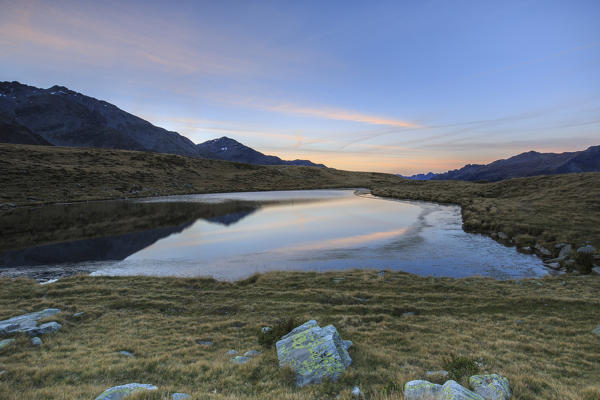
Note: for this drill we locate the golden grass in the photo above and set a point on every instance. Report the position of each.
(536, 332)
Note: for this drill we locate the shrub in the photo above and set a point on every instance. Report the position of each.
(281, 327)
(460, 367)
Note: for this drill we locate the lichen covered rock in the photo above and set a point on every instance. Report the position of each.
(452, 390)
(491, 387)
(422, 390)
(314, 353)
(121, 392)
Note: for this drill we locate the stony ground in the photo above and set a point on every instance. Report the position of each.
(537, 333)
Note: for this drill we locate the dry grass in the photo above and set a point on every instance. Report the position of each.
(33, 175)
(537, 333)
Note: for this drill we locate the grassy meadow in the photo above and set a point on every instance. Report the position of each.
(535, 332)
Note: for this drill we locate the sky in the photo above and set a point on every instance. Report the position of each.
(391, 86)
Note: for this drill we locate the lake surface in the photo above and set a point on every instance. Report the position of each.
(234, 235)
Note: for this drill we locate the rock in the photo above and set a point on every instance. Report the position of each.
(121, 392)
(560, 245)
(422, 390)
(77, 314)
(126, 354)
(356, 391)
(231, 352)
(36, 341)
(596, 331)
(502, 236)
(491, 387)
(204, 342)
(408, 314)
(181, 396)
(441, 373)
(26, 322)
(11, 205)
(452, 390)
(526, 249)
(5, 343)
(519, 321)
(314, 353)
(266, 329)
(565, 251)
(587, 249)
(49, 327)
(543, 251)
(552, 265)
(348, 344)
(252, 353)
(239, 360)
(2, 372)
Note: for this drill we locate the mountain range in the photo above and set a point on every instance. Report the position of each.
(525, 164)
(62, 117)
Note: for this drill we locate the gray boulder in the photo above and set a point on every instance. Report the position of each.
(422, 390)
(452, 390)
(26, 322)
(36, 341)
(597, 330)
(181, 396)
(491, 387)
(5, 343)
(314, 353)
(121, 392)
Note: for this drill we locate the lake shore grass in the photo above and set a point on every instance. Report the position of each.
(536, 332)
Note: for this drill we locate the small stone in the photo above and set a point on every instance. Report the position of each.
(78, 314)
(181, 396)
(204, 342)
(49, 327)
(232, 352)
(356, 391)
(597, 330)
(126, 354)
(252, 353)
(2, 372)
(239, 360)
(491, 387)
(5, 343)
(526, 249)
(266, 329)
(502, 236)
(422, 390)
(519, 321)
(121, 392)
(36, 341)
(408, 314)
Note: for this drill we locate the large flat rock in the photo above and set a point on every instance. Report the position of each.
(28, 322)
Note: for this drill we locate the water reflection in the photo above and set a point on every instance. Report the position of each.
(231, 236)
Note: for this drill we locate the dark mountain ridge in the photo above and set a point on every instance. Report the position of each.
(523, 165)
(62, 117)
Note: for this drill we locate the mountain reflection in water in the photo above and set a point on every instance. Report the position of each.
(233, 235)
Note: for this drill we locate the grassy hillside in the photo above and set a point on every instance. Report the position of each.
(39, 174)
(537, 333)
(545, 209)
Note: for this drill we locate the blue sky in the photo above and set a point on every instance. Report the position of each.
(398, 86)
